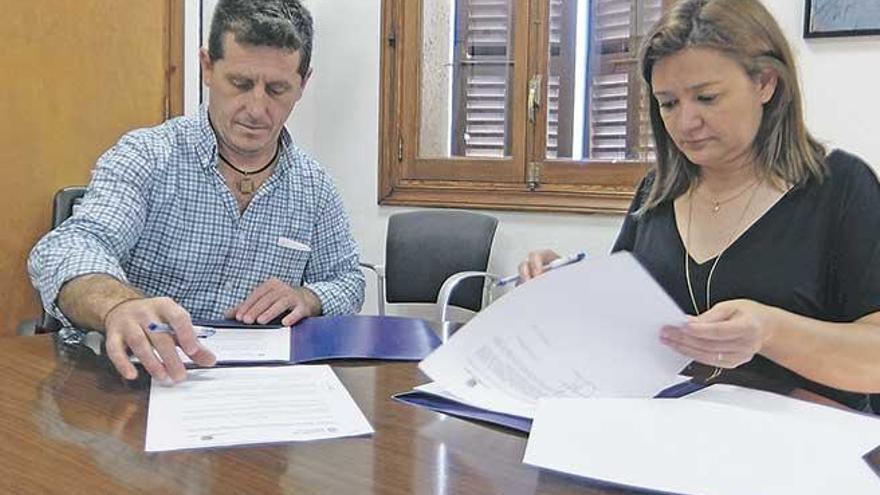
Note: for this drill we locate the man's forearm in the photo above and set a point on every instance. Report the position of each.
(87, 299)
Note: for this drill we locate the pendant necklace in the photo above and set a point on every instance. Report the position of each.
(716, 204)
(246, 184)
(687, 272)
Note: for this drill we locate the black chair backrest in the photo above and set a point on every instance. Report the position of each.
(64, 202)
(424, 248)
(63, 205)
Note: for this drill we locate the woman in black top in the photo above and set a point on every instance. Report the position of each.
(746, 220)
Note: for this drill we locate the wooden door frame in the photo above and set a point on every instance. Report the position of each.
(175, 27)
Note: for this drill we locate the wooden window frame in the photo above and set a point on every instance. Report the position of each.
(526, 181)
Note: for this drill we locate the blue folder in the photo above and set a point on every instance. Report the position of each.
(700, 380)
(454, 408)
(319, 338)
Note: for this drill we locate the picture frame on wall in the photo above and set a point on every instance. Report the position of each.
(833, 18)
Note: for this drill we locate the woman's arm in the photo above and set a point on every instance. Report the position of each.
(840, 355)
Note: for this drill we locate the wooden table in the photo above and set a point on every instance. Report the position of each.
(70, 425)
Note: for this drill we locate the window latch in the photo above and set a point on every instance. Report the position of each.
(534, 99)
(392, 39)
(533, 177)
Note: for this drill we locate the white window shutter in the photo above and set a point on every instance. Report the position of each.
(486, 69)
(619, 127)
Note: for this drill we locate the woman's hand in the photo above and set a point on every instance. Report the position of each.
(534, 264)
(726, 336)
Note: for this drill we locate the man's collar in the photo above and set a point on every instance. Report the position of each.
(206, 147)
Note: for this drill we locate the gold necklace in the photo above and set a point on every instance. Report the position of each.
(687, 271)
(716, 204)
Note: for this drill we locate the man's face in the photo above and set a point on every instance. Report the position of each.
(253, 92)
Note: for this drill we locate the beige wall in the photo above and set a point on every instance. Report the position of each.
(338, 123)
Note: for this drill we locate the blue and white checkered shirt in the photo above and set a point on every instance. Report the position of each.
(159, 216)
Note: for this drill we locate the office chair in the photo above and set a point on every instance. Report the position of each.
(63, 205)
(449, 324)
(425, 248)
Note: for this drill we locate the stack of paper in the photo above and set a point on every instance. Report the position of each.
(771, 444)
(235, 406)
(247, 345)
(221, 407)
(586, 330)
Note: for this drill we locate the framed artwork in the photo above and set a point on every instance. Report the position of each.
(829, 18)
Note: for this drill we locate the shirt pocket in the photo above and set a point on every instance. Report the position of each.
(286, 259)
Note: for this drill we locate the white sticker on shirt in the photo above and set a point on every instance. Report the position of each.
(291, 244)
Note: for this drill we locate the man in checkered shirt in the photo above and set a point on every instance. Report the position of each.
(216, 215)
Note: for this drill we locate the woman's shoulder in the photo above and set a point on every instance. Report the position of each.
(644, 189)
(849, 185)
(849, 174)
(844, 166)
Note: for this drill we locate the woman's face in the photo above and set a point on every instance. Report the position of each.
(710, 107)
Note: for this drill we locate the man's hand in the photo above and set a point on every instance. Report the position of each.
(125, 327)
(272, 298)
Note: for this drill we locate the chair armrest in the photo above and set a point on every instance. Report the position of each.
(445, 294)
(379, 270)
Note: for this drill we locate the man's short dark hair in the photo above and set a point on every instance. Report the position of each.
(282, 24)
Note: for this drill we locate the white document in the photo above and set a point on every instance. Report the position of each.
(502, 403)
(590, 329)
(242, 345)
(862, 431)
(696, 447)
(240, 406)
(251, 345)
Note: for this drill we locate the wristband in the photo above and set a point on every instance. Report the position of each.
(113, 308)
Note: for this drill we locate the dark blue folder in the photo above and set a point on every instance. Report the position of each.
(701, 378)
(319, 338)
(454, 408)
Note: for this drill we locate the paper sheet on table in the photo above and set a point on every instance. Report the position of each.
(862, 430)
(500, 403)
(696, 447)
(588, 329)
(238, 406)
(247, 345)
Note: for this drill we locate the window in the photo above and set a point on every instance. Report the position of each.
(514, 104)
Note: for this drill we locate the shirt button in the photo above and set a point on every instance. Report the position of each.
(228, 285)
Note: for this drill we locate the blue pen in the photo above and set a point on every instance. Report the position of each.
(558, 262)
(201, 332)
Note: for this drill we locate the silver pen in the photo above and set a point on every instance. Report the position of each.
(201, 332)
(558, 262)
